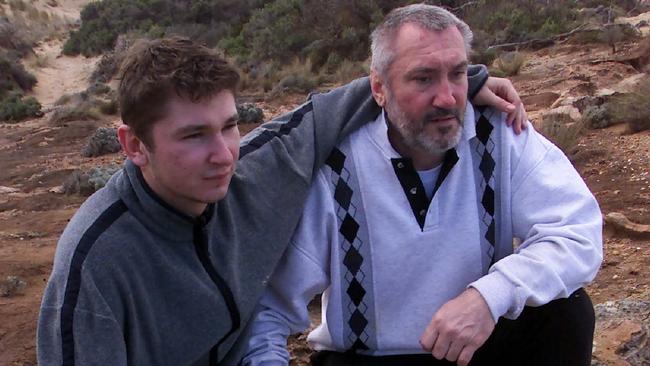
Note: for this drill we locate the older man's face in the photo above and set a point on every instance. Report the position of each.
(426, 87)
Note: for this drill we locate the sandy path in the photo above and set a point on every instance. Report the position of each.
(61, 74)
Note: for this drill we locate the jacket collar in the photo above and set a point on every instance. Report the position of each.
(156, 214)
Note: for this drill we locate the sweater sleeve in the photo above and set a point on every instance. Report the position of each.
(301, 275)
(560, 223)
(97, 338)
(477, 75)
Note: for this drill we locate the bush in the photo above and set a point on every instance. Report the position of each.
(348, 71)
(14, 76)
(250, 113)
(103, 141)
(509, 63)
(86, 183)
(110, 107)
(98, 88)
(78, 112)
(15, 107)
(596, 116)
(297, 77)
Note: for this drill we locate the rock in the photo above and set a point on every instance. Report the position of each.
(562, 114)
(622, 333)
(250, 113)
(11, 285)
(538, 101)
(7, 190)
(617, 222)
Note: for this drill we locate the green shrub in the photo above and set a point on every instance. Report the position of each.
(250, 113)
(86, 183)
(103, 141)
(15, 107)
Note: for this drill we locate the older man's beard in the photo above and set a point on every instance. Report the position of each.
(413, 132)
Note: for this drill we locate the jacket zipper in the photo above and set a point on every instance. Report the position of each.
(201, 247)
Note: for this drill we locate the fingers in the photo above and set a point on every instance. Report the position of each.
(428, 338)
(441, 347)
(454, 351)
(466, 356)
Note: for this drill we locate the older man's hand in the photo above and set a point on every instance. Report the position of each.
(501, 94)
(459, 328)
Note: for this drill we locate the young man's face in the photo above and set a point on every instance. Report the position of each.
(196, 147)
(426, 87)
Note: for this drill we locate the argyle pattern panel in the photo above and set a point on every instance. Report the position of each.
(485, 149)
(358, 309)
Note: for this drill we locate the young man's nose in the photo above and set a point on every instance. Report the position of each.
(219, 151)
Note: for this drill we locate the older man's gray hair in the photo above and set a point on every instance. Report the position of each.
(428, 17)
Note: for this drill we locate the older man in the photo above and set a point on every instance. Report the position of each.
(408, 230)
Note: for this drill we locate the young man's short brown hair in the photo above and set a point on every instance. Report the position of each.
(155, 71)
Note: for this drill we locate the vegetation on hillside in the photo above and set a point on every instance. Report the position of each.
(14, 80)
(265, 37)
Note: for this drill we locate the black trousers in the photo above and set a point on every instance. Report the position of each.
(559, 333)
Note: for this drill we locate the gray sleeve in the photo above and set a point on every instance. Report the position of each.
(477, 75)
(255, 221)
(96, 340)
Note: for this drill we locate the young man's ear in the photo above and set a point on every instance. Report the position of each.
(377, 87)
(134, 148)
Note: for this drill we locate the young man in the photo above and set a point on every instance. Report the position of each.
(165, 264)
(408, 229)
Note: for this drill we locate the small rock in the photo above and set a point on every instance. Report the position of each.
(11, 285)
(564, 114)
(5, 190)
(617, 222)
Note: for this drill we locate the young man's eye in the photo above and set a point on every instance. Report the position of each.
(192, 136)
(422, 79)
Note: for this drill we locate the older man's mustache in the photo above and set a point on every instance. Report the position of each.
(438, 113)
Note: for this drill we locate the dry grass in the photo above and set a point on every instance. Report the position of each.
(509, 63)
(565, 136)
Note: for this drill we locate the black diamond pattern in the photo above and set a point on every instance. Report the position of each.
(487, 166)
(353, 261)
(489, 235)
(349, 228)
(483, 129)
(356, 292)
(488, 200)
(343, 194)
(358, 322)
(359, 345)
(336, 160)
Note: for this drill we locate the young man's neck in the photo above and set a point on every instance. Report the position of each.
(187, 207)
